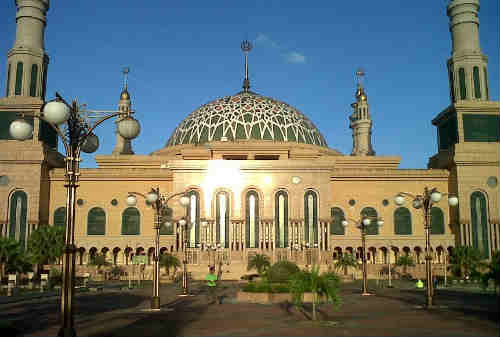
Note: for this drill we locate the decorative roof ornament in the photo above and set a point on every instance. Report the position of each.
(360, 91)
(125, 94)
(246, 46)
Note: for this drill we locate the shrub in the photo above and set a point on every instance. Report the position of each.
(116, 271)
(265, 287)
(282, 271)
(249, 277)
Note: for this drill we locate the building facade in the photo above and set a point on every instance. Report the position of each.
(259, 174)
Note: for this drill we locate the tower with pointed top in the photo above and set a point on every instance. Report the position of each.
(360, 122)
(123, 146)
(246, 46)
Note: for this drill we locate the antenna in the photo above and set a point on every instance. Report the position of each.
(360, 74)
(125, 72)
(246, 46)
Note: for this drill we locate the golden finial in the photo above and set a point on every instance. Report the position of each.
(125, 95)
(246, 46)
(360, 91)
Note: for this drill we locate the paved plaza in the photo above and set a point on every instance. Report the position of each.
(390, 312)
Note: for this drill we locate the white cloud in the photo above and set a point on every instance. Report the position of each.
(294, 57)
(289, 56)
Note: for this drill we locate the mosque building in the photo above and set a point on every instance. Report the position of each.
(259, 174)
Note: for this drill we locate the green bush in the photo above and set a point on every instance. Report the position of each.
(116, 271)
(249, 277)
(282, 271)
(265, 287)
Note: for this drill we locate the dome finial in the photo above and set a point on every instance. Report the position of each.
(360, 91)
(246, 46)
(125, 94)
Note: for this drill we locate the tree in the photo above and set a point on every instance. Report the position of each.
(464, 260)
(46, 244)
(493, 273)
(12, 258)
(260, 262)
(169, 261)
(99, 260)
(405, 261)
(345, 261)
(324, 285)
(8, 248)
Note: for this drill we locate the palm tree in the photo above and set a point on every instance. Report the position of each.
(169, 261)
(260, 262)
(465, 259)
(46, 244)
(345, 261)
(12, 259)
(405, 261)
(321, 285)
(493, 272)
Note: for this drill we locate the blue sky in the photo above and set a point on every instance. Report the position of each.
(183, 54)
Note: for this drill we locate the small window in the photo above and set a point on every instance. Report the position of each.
(461, 80)
(8, 80)
(234, 157)
(267, 157)
(19, 79)
(477, 85)
(34, 79)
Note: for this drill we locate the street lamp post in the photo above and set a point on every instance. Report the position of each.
(362, 224)
(75, 125)
(425, 202)
(159, 202)
(186, 226)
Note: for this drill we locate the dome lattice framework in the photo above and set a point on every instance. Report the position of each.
(246, 116)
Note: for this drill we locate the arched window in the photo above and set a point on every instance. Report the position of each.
(19, 79)
(281, 218)
(34, 79)
(96, 221)
(452, 86)
(60, 217)
(8, 81)
(131, 221)
(477, 82)
(437, 221)
(402, 221)
(487, 90)
(17, 217)
(337, 218)
(222, 221)
(461, 82)
(372, 229)
(311, 217)
(252, 219)
(479, 219)
(193, 213)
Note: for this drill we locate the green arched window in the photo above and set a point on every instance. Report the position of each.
(487, 90)
(222, 222)
(437, 221)
(34, 79)
(193, 213)
(281, 218)
(311, 217)
(19, 79)
(8, 80)
(372, 229)
(477, 82)
(402, 221)
(60, 217)
(252, 219)
(337, 218)
(17, 217)
(96, 221)
(479, 220)
(131, 221)
(461, 82)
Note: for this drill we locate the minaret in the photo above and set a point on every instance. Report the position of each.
(123, 146)
(27, 61)
(246, 46)
(467, 67)
(361, 123)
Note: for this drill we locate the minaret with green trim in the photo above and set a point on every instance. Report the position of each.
(27, 61)
(468, 66)
(360, 122)
(123, 146)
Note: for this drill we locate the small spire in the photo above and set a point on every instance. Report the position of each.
(125, 94)
(360, 91)
(246, 46)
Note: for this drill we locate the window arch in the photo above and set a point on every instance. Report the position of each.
(461, 82)
(337, 218)
(17, 217)
(19, 79)
(477, 82)
(402, 221)
(311, 217)
(372, 229)
(34, 79)
(193, 213)
(96, 221)
(131, 221)
(60, 217)
(479, 220)
(222, 221)
(252, 219)
(437, 221)
(281, 218)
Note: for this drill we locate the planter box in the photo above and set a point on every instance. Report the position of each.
(269, 298)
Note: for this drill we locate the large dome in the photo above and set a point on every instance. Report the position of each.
(246, 116)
